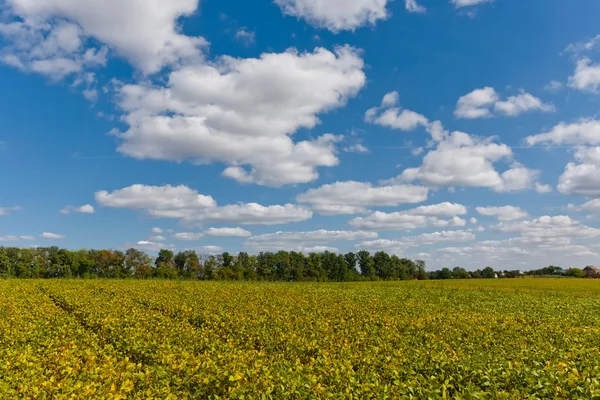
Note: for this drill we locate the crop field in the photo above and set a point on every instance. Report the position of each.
(472, 339)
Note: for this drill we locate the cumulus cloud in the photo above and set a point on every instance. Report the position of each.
(189, 236)
(398, 246)
(227, 232)
(461, 159)
(356, 148)
(586, 76)
(582, 177)
(209, 249)
(57, 32)
(8, 210)
(242, 112)
(542, 188)
(413, 6)
(482, 103)
(153, 246)
(336, 15)
(353, 197)
(50, 235)
(416, 218)
(586, 131)
(54, 50)
(561, 226)
(303, 241)
(157, 230)
(85, 209)
(186, 204)
(506, 213)
(390, 116)
(157, 238)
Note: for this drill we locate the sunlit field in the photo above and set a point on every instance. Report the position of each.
(513, 338)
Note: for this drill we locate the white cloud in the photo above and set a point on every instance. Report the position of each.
(242, 112)
(420, 217)
(352, 197)
(227, 232)
(157, 230)
(59, 28)
(245, 36)
(476, 104)
(12, 238)
(464, 160)
(554, 86)
(586, 76)
(301, 241)
(584, 47)
(560, 226)
(506, 213)
(49, 235)
(8, 210)
(153, 246)
(583, 132)
(85, 209)
(399, 245)
(189, 236)
(517, 105)
(542, 188)
(209, 249)
(582, 179)
(395, 117)
(336, 15)
(184, 203)
(479, 104)
(413, 6)
(468, 3)
(54, 50)
(592, 206)
(157, 238)
(357, 148)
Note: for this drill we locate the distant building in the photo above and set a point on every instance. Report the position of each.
(591, 272)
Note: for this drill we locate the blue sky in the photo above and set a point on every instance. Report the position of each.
(462, 132)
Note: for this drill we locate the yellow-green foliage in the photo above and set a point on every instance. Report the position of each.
(474, 339)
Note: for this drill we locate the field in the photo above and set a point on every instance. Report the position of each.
(476, 339)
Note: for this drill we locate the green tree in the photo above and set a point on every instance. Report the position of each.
(488, 273)
(5, 267)
(367, 266)
(460, 273)
(382, 264)
(575, 273)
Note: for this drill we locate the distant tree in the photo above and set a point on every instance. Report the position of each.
(210, 267)
(5, 267)
(366, 263)
(297, 266)
(382, 265)
(165, 265)
(421, 270)
(139, 263)
(488, 273)
(460, 273)
(575, 273)
(445, 273)
(351, 260)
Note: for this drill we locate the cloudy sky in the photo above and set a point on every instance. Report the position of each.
(461, 132)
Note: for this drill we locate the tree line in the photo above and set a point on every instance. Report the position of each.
(53, 262)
